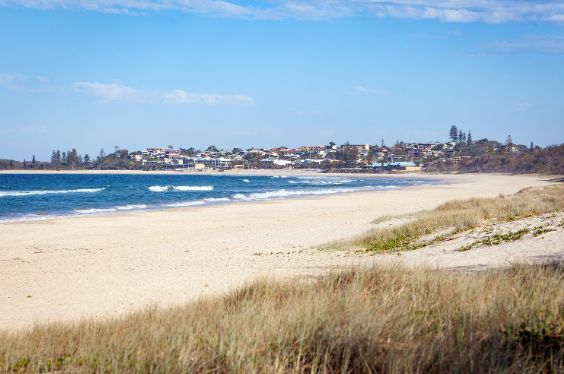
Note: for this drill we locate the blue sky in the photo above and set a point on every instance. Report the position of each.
(99, 74)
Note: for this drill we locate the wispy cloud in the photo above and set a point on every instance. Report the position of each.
(548, 44)
(365, 91)
(116, 92)
(522, 106)
(25, 83)
(183, 97)
(111, 91)
(490, 11)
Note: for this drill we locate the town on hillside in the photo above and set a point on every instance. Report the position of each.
(459, 153)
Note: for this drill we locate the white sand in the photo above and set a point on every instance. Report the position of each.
(70, 268)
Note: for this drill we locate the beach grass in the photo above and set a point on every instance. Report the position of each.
(457, 216)
(373, 320)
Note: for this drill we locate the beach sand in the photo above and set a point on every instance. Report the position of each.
(103, 266)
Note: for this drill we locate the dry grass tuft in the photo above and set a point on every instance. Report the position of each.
(461, 215)
(379, 320)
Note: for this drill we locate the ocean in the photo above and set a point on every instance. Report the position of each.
(42, 196)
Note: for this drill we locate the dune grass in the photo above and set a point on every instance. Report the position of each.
(378, 320)
(458, 216)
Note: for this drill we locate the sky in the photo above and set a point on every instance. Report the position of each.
(141, 73)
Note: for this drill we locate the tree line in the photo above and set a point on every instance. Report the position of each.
(70, 158)
(549, 160)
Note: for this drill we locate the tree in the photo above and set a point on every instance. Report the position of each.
(55, 157)
(64, 158)
(347, 155)
(382, 144)
(460, 136)
(236, 150)
(453, 133)
(33, 160)
(469, 138)
(212, 148)
(102, 154)
(72, 157)
(532, 146)
(509, 141)
(86, 159)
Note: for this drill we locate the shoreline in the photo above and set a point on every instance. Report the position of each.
(164, 209)
(202, 203)
(236, 172)
(105, 266)
(271, 172)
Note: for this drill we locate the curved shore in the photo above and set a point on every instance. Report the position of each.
(103, 266)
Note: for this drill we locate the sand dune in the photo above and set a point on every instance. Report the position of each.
(70, 268)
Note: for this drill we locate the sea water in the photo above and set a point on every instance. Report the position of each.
(41, 196)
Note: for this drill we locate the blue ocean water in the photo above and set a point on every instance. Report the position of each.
(37, 196)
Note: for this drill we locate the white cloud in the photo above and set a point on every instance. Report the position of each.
(9, 79)
(183, 97)
(25, 83)
(111, 91)
(522, 106)
(115, 92)
(548, 44)
(364, 91)
(490, 11)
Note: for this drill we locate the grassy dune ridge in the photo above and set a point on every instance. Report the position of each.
(388, 319)
(458, 216)
(392, 320)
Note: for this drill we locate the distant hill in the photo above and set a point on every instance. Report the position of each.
(548, 160)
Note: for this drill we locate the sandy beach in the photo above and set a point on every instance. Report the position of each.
(102, 266)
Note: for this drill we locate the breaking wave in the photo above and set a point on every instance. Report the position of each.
(93, 210)
(131, 207)
(49, 192)
(283, 193)
(193, 188)
(180, 188)
(185, 203)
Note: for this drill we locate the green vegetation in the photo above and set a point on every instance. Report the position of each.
(458, 216)
(538, 231)
(496, 239)
(379, 320)
(502, 238)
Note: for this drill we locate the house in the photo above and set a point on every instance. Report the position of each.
(356, 147)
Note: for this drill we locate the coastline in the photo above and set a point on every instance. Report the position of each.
(365, 183)
(103, 266)
(235, 172)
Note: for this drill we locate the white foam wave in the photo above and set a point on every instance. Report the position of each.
(49, 192)
(131, 207)
(180, 188)
(193, 188)
(185, 203)
(280, 194)
(246, 180)
(319, 181)
(93, 210)
(158, 188)
(217, 199)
